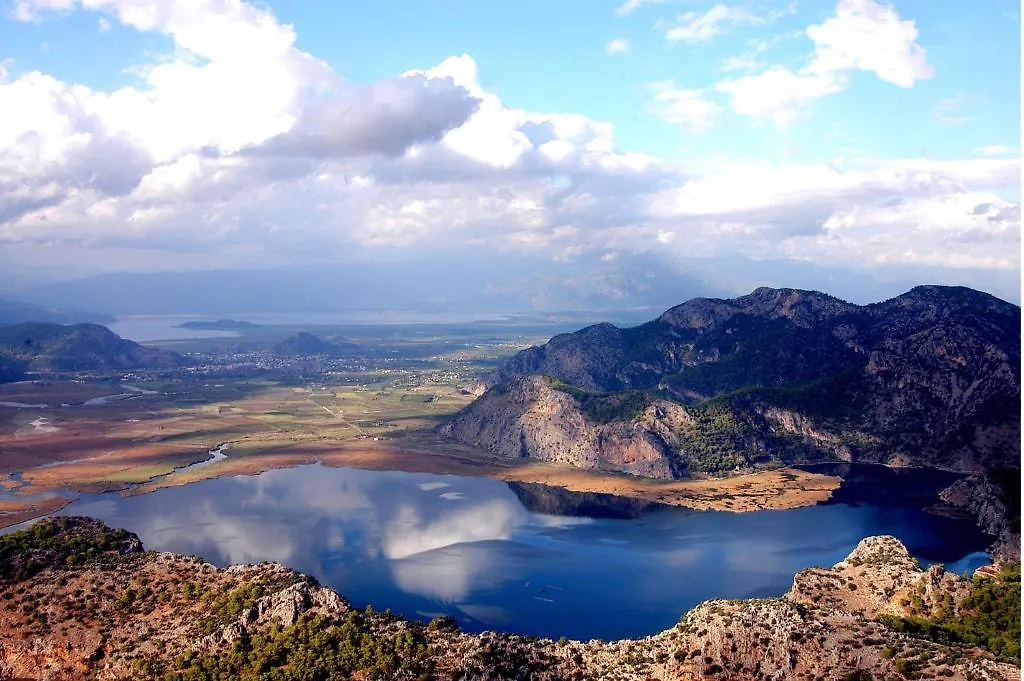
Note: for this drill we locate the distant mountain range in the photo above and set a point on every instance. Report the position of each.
(306, 345)
(13, 312)
(81, 347)
(931, 377)
(624, 288)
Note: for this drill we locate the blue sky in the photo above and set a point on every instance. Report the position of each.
(778, 95)
(544, 56)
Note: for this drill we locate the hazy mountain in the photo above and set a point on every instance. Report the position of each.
(81, 347)
(13, 312)
(306, 345)
(620, 288)
(931, 377)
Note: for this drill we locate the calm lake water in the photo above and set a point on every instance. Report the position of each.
(148, 328)
(515, 558)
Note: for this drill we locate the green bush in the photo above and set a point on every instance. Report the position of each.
(989, 617)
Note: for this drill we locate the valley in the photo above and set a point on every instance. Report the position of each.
(504, 475)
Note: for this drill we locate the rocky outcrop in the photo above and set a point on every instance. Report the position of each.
(282, 608)
(930, 378)
(983, 498)
(879, 577)
(548, 424)
(830, 625)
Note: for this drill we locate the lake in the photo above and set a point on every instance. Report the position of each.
(514, 557)
(149, 328)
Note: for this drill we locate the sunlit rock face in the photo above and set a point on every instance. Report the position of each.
(929, 378)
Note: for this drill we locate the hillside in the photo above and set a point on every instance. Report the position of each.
(13, 312)
(930, 378)
(79, 600)
(307, 345)
(50, 348)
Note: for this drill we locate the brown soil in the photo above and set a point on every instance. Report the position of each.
(773, 489)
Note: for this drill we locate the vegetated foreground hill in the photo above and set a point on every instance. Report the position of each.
(80, 601)
(305, 344)
(52, 348)
(929, 378)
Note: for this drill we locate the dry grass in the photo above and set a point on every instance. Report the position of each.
(126, 444)
(14, 512)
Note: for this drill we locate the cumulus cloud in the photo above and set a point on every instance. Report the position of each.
(243, 148)
(386, 118)
(862, 36)
(911, 211)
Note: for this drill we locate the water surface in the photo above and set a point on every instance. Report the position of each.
(424, 545)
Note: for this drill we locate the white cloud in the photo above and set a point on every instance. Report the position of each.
(629, 6)
(617, 46)
(685, 107)
(779, 94)
(103, 24)
(741, 62)
(863, 35)
(867, 36)
(699, 27)
(946, 213)
(997, 150)
(387, 117)
(241, 148)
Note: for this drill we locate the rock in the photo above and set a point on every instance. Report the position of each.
(884, 551)
(929, 378)
(984, 499)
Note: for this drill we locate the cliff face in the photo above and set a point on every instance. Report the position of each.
(124, 614)
(995, 501)
(929, 378)
(530, 418)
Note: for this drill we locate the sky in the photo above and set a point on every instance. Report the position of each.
(850, 136)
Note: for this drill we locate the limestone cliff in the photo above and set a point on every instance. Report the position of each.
(930, 378)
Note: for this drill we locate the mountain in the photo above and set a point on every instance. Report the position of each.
(13, 312)
(930, 378)
(83, 601)
(80, 347)
(305, 344)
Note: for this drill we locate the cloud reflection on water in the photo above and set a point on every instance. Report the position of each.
(391, 539)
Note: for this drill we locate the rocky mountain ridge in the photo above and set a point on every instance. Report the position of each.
(87, 602)
(929, 378)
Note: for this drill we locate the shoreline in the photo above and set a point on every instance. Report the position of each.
(774, 489)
